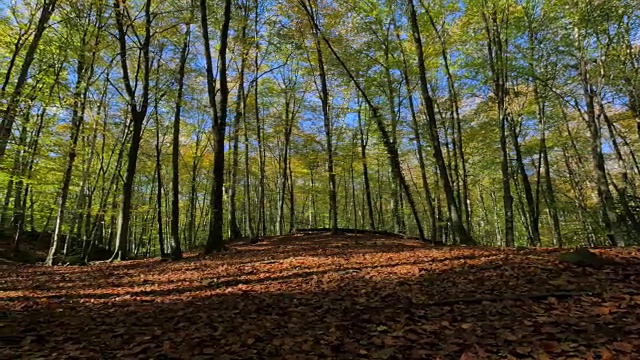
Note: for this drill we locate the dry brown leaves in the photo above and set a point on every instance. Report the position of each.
(322, 297)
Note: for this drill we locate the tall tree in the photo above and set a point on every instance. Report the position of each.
(89, 41)
(9, 114)
(389, 146)
(176, 250)
(457, 222)
(215, 241)
(326, 118)
(138, 108)
(495, 19)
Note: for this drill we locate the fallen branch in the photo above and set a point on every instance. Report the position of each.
(538, 296)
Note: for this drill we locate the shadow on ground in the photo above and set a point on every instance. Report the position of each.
(324, 297)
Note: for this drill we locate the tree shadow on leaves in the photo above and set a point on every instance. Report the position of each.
(342, 308)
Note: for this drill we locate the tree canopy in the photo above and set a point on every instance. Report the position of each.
(148, 128)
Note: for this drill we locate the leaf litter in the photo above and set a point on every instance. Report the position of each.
(328, 297)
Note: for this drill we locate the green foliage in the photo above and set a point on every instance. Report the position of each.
(542, 41)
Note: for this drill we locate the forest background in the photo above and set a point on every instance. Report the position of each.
(149, 128)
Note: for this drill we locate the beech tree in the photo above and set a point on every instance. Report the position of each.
(492, 122)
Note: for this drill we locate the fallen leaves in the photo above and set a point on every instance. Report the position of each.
(623, 346)
(550, 346)
(327, 296)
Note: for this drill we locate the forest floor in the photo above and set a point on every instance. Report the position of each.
(327, 297)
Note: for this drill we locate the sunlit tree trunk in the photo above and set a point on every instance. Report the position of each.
(176, 249)
(77, 119)
(9, 114)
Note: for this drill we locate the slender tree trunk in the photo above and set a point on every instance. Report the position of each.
(17, 221)
(77, 120)
(261, 221)
(191, 223)
(158, 176)
(6, 216)
(9, 114)
(313, 220)
(176, 249)
(354, 202)
(239, 117)
(609, 216)
(289, 114)
(433, 219)
(496, 47)
(292, 208)
(138, 115)
(365, 168)
(215, 241)
(396, 196)
(533, 217)
(549, 189)
(328, 126)
(234, 229)
(124, 216)
(247, 185)
(456, 220)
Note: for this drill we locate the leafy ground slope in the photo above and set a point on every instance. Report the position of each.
(323, 297)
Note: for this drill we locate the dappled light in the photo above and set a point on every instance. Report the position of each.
(321, 296)
(320, 179)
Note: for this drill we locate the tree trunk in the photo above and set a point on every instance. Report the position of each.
(292, 212)
(215, 240)
(609, 216)
(77, 119)
(532, 210)
(456, 128)
(433, 218)
(328, 126)
(365, 168)
(9, 114)
(191, 223)
(138, 114)
(158, 169)
(497, 61)
(247, 182)
(458, 225)
(176, 249)
(234, 229)
(289, 118)
(543, 163)
(396, 196)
